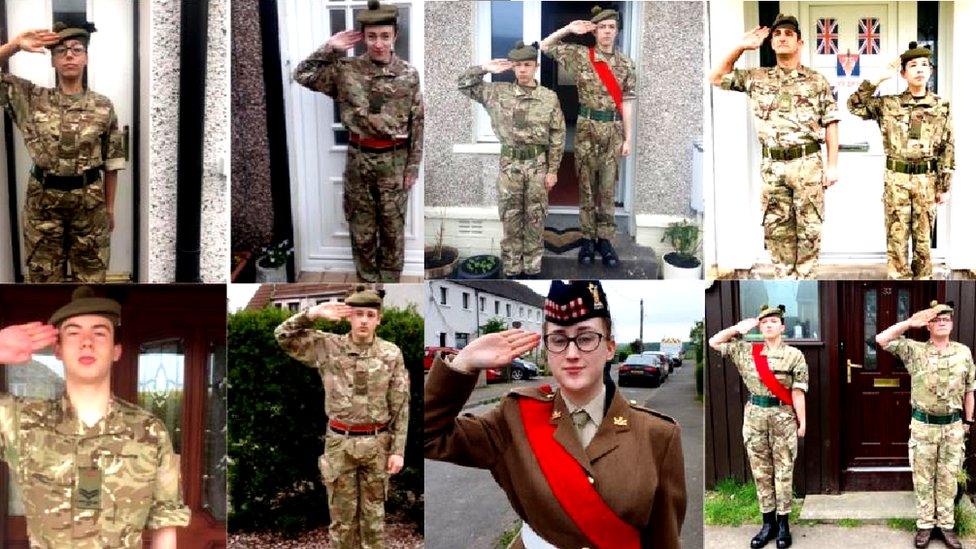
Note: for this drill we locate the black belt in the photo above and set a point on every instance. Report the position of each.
(913, 167)
(791, 153)
(66, 182)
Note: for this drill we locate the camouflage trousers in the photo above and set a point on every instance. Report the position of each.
(597, 152)
(375, 204)
(769, 435)
(354, 473)
(66, 228)
(792, 206)
(523, 202)
(909, 204)
(936, 453)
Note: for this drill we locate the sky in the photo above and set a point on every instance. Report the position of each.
(238, 295)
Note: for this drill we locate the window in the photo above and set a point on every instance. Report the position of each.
(538, 316)
(161, 368)
(521, 312)
(214, 481)
(497, 307)
(481, 304)
(801, 299)
(460, 340)
(293, 306)
(442, 338)
(443, 296)
(465, 300)
(508, 310)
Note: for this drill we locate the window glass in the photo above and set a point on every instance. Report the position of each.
(801, 299)
(214, 488)
(161, 370)
(506, 30)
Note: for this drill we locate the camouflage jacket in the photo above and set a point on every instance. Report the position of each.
(381, 100)
(363, 383)
(940, 379)
(519, 115)
(787, 364)
(791, 107)
(64, 134)
(912, 129)
(592, 93)
(50, 453)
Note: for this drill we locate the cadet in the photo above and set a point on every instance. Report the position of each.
(795, 112)
(605, 81)
(558, 452)
(380, 104)
(72, 136)
(943, 380)
(367, 393)
(528, 122)
(94, 471)
(777, 378)
(917, 131)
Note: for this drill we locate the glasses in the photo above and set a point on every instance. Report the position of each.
(61, 51)
(585, 341)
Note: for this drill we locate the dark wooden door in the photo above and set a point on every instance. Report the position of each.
(876, 386)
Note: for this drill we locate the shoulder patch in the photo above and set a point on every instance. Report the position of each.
(654, 413)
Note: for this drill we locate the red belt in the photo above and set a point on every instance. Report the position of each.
(375, 142)
(359, 428)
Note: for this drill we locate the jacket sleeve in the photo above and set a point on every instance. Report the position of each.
(301, 341)
(113, 144)
(557, 138)
(472, 84)
(15, 93)
(167, 508)
(398, 397)
(947, 157)
(416, 134)
(319, 72)
(670, 500)
(468, 440)
(863, 103)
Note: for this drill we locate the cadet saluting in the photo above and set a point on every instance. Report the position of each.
(794, 112)
(917, 131)
(380, 104)
(943, 380)
(529, 123)
(72, 136)
(777, 377)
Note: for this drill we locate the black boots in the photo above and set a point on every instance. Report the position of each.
(783, 538)
(768, 531)
(606, 251)
(586, 252)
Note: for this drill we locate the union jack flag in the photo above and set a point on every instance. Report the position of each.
(826, 36)
(869, 36)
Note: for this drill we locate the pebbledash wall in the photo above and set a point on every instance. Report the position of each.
(162, 147)
(460, 186)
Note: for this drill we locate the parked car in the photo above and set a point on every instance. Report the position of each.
(523, 369)
(431, 352)
(664, 359)
(676, 361)
(642, 369)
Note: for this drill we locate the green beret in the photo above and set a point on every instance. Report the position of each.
(84, 302)
(375, 14)
(600, 14)
(364, 297)
(766, 310)
(941, 308)
(82, 33)
(914, 51)
(521, 52)
(785, 21)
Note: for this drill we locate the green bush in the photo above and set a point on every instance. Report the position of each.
(276, 425)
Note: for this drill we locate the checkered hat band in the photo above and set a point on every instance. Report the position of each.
(574, 309)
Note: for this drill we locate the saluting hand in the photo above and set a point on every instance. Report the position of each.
(746, 325)
(343, 40)
(330, 311)
(496, 66)
(495, 350)
(753, 39)
(19, 342)
(35, 40)
(581, 26)
(922, 318)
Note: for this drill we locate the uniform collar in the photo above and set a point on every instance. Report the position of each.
(949, 349)
(361, 349)
(527, 91)
(594, 407)
(68, 422)
(608, 57)
(392, 67)
(800, 70)
(907, 98)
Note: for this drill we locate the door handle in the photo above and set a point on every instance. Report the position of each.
(849, 366)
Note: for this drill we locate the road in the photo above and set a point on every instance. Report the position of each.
(465, 508)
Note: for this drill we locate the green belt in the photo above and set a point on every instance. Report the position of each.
(765, 401)
(912, 166)
(791, 153)
(933, 419)
(599, 116)
(523, 152)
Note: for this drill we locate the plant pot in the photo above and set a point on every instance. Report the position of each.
(271, 274)
(681, 267)
(465, 271)
(441, 267)
(244, 257)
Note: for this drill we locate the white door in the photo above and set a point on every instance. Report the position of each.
(110, 73)
(841, 39)
(317, 140)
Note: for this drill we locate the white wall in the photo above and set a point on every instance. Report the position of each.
(452, 317)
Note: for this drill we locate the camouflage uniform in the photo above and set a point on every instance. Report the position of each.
(769, 433)
(376, 101)
(792, 109)
(90, 487)
(364, 384)
(914, 130)
(940, 380)
(597, 144)
(65, 135)
(531, 128)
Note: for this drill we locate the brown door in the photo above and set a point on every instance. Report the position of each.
(876, 387)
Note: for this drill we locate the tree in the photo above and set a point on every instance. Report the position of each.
(636, 347)
(494, 325)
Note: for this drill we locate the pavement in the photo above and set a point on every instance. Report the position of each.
(870, 536)
(465, 508)
(636, 262)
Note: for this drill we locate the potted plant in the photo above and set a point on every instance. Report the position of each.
(682, 263)
(480, 267)
(272, 264)
(439, 260)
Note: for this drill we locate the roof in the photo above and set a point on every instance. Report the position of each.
(268, 292)
(506, 289)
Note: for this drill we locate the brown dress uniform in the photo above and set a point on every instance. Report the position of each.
(634, 461)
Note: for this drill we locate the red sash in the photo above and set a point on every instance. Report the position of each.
(767, 377)
(609, 80)
(569, 483)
